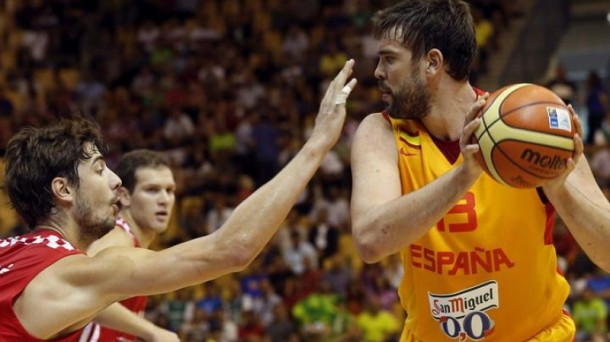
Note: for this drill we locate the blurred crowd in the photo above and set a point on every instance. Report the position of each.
(229, 90)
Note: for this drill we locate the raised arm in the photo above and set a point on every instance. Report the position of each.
(76, 288)
(385, 221)
(232, 247)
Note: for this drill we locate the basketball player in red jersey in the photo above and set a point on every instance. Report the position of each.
(146, 199)
(58, 182)
(478, 256)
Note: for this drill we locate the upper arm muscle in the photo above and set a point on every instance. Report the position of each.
(375, 174)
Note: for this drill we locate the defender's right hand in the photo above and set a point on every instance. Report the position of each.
(331, 116)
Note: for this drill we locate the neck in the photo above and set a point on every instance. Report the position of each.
(145, 236)
(54, 228)
(450, 104)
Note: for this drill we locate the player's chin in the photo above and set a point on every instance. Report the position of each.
(160, 227)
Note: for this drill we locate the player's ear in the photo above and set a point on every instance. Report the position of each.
(434, 61)
(124, 197)
(62, 190)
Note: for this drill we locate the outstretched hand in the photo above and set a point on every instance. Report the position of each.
(331, 116)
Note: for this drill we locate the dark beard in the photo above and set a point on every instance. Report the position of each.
(411, 101)
(91, 227)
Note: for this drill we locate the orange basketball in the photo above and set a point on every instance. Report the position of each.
(525, 136)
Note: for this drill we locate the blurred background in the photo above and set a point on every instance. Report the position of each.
(228, 89)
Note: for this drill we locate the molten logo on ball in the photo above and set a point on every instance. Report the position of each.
(547, 162)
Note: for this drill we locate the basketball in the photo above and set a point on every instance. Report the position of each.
(525, 136)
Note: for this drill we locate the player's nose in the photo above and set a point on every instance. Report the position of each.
(114, 180)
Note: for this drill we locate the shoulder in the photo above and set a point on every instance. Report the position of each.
(374, 145)
(117, 237)
(377, 119)
(373, 127)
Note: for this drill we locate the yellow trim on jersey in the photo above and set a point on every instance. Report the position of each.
(414, 140)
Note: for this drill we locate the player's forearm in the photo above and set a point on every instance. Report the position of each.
(386, 229)
(241, 238)
(119, 318)
(255, 220)
(588, 218)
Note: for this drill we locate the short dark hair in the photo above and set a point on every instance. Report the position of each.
(130, 162)
(423, 25)
(34, 156)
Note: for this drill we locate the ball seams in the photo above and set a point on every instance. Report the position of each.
(512, 111)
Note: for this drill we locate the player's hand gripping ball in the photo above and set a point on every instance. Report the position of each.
(525, 136)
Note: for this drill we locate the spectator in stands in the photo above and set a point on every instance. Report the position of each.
(376, 323)
(250, 329)
(598, 105)
(300, 250)
(197, 329)
(220, 213)
(6, 105)
(223, 328)
(334, 201)
(315, 313)
(484, 32)
(265, 137)
(264, 304)
(90, 92)
(600, 165)
(281, 327)
(295, 42)
(211, 300)
(331, 59)
(590, 313)
(324, 237)
(178, 127)
(562, 86)
(179, 309)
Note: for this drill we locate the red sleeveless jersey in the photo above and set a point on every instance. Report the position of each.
(94, 332)
(21, 259)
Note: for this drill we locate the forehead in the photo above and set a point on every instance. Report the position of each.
(388, 45)
(157, 175)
